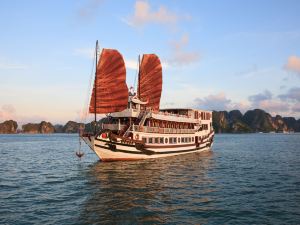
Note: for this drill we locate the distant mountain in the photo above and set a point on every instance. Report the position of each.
(58, 128)
(255, 120)
(38, 128)
(233, 121)
(8, 127)
(72, 127)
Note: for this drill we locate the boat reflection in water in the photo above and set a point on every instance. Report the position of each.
(151, 191)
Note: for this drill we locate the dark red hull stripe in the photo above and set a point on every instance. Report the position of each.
(153, 146)
(152, 152)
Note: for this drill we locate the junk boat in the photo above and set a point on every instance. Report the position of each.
(135, 127)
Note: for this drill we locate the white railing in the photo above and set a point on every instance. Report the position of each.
(172, 114)
(162, 130)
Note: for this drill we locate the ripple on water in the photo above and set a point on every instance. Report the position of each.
(246, 179)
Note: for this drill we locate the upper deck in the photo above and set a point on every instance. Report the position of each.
(172, 115)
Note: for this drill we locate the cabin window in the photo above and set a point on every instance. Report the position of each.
(178, 140)
(171, 140)
(150, 140)
(161, 140)
(182, 140)
(156, 140)
(189, 139)
(166, 140)
(174, 140)
(144, 139)
(192, 139)
(186, 140)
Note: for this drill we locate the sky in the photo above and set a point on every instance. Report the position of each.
(216, 55)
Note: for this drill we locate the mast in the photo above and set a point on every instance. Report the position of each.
(138, 89)
(95, 92)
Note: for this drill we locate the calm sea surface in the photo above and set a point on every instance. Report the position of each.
(246, 179)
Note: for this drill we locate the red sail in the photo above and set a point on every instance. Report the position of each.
(110, 83)
(150, 81)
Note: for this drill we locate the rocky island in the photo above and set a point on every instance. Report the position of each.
(252, 121)
(38, 128)
(8, 127)
(234, 121)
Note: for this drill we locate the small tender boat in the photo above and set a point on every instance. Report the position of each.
(135, 127)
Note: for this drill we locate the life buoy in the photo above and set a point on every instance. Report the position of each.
(104, 135)
(137, 136)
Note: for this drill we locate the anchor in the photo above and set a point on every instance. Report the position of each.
(79, 153)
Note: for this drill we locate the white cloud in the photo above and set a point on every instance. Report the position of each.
(213, 102)
(293, 64)
(181, 56)
(266, 102)
(292, 94)
(266, 95)
(263, 101)
(273, 106)
(143, 15)
(243, 106)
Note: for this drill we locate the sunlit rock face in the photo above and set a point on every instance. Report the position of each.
(231, 122)
(38, 128)
(8, 127)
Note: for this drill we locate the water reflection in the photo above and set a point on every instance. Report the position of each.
(150, 191)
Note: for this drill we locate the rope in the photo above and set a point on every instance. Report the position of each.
(85, 107)
(136, 74)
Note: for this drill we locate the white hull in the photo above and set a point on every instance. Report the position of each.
(123, 152)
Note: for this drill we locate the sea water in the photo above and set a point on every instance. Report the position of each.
(245, 179)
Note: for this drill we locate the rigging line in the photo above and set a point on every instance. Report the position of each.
(89, 91)
(136, 74)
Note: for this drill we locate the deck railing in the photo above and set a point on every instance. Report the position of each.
(162, 130)
(147, 129)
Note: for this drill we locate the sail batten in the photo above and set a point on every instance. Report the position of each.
(110, 84)
(150, 80)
